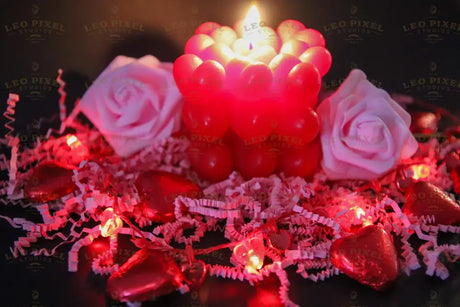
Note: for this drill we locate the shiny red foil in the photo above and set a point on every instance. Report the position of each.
(50, 181)
(426, 199)
(367, 256)
(158, 190)
(145, 276)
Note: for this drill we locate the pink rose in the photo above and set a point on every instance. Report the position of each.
(134, 102)
(364, 132)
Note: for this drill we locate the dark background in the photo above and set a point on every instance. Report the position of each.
(415, 51)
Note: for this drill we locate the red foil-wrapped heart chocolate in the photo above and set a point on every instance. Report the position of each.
(145, 276)
(426, 199)
(49, 181)
(367, 256)
(158, 190)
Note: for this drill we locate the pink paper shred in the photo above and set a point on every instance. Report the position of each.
(313, 213)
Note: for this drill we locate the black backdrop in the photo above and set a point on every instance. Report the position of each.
(409, 47)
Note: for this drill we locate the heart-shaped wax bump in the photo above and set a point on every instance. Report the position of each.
(158, 190)
(193, 273)
(367, 256)
(145, 276)
(49, 181)
(426, 199)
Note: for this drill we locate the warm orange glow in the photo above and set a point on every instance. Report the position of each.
(420, 171)
(359, 212)
(367, 222)
(254, 264)
(251, 27)
(110, 223)
(250, 253)
(73, 141)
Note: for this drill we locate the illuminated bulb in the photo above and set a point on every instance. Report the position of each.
(77, 149)
(254, 263)
(250, 253)
(420, 171)
(359, 212)
(110, 223)
(73, 142)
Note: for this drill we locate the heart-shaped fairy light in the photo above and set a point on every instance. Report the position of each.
(426, 199)
(158, 190)
(194, 273)
(250, 253)
(49, 181)
(145, 276)
(367, 256)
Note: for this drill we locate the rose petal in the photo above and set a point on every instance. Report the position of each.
(134, 102)
(149, 61)
(116, 63)
(342, 153)
(410, 147)
(348, 87)
(369, 134)
(363, 131)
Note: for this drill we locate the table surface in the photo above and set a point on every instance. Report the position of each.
(45, 281)
(409, 47)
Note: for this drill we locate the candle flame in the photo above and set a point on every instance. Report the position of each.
(251, 27)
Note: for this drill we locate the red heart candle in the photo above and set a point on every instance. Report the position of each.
(146, 275)
(367, 256)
